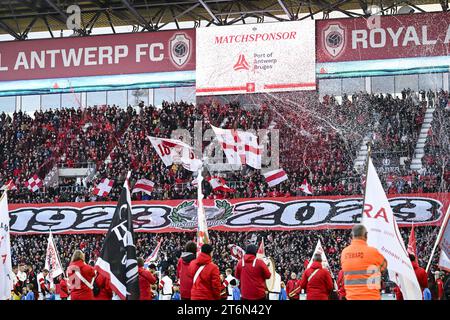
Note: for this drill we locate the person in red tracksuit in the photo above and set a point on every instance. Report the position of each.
(317, 281)
(206, 283)
(252, 273)
(185, 279)
(421, 276)
(340, 284)
(104, 288)
(80, 288)
(62, 289)
(293, 286)
(146, 279)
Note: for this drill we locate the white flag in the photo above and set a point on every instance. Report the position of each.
(52, 262)
(444, 262)
(6, 282)
(240, 147)
(176, 151)
(202, 225)
(383, 234)
(320, 250)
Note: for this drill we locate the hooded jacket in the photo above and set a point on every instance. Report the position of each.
(183, 274)
(146, 279)
(320, 285)
(421, 275)
(207, 285)
(252, 273)
(79, 290)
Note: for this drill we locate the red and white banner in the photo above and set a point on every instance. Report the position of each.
(103, 188)
(305, 187)
(34, 183)
(154, 255)
(383, 37)
(283, 214)
(219, 184)
(143, 185)
(176, 151)
(275, 177)
(52, 261)
(9, 185)
(236, 252)
(142, 52)
(6, 272)
(253, 58)
(412, 246)
(240, 147)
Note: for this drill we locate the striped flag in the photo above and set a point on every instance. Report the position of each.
(9, 185)
(412, 242)
(261, 250)
(219, 184)
(275, 177)
(154, 255)
(144, 185)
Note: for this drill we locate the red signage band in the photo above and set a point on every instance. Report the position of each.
(142, 52)
(383, 37)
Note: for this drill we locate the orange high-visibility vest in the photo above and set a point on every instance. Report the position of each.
(362, 266)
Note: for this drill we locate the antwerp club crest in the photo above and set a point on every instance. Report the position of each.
(180, 49)
(334, 39)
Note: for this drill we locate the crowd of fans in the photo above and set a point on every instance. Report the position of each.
(290, 250)
(318, 142)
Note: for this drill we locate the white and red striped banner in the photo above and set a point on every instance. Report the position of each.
(154, 255)
(275, 177)
(305, 187)
(144, 185)
(219, 184)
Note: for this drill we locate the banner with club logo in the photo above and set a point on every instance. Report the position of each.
(295, 213)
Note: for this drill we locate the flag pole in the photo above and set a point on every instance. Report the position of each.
(441, 231)
(369, 153)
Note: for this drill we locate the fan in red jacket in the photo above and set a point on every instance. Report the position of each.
(252, 273)
(104, 288)
(293, 287)
(421, 274)
(62, 289)
(206, 276)
(80, 277)
(340, 284)
(317, 281)
(183, 275)
(146, 279)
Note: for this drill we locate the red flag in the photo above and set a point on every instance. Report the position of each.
(412, 242)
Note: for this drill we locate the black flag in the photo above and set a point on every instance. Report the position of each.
(117, 260)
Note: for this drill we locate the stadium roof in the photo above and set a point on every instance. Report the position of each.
(19, 17)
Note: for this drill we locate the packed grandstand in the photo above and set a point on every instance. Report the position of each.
(87, 193)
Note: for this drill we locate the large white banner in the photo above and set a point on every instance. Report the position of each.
(6, 283)
(249, 58)
(383, 234)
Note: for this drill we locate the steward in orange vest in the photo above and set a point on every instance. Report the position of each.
(362, 266)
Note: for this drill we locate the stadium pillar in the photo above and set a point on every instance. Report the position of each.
(368, 83)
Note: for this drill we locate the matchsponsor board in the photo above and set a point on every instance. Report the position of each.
(143, 52)
(295, 213)
(254, 58)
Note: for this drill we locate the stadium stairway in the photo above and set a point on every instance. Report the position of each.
(419, 152)
(362, 154)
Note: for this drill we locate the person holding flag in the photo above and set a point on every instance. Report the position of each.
(183, 275)
(81, 277)
(317, 281)
(146, 280)
(206, 284)
(362, 266)
(117, 260)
